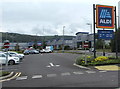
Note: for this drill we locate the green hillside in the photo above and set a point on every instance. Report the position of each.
(15, 37)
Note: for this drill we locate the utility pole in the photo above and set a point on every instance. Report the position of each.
(63, 40)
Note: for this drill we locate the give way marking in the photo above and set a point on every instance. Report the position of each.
(52, 65)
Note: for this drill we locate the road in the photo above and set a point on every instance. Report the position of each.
(57, 70)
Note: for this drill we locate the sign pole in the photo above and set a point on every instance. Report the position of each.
(7, 59)
(116, 41)
(103, 47)
(6, 45)
(94, 30)
(85, 57)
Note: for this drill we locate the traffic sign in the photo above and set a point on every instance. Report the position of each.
(105, 34)
(86, 44)
(104, 16)
(6, 44)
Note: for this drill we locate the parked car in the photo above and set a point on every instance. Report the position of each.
(11, 60)
(33, 52)
(15, 54)
(26, 52)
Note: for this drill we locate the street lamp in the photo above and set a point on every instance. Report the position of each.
(90, 26)
(91, 32)
(118, 22)
(63, 39)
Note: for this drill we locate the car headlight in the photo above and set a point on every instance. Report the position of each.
(16, 58)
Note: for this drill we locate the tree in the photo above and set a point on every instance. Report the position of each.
(113, 42)
(99, 44)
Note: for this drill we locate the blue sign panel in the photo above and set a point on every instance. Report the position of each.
(30, 43)
(39, 43)
(105, 34)
(104, 16)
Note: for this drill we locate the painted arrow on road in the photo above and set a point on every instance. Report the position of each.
(52, 65)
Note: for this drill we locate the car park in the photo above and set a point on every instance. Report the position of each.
(10, 61)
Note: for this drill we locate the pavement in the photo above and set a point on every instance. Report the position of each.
(108, 67)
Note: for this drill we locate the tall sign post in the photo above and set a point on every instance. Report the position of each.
(94, 30)
(105, 18)
(116, 40)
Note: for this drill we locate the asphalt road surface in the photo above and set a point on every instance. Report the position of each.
(57, 70)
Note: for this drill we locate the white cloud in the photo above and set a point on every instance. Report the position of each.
(30, 16)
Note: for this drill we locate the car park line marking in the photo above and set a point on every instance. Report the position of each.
(102, 71)
(22, 78)
(51, 75)
(64, 74)
(90, 71)
(37, 76)
(78, 72)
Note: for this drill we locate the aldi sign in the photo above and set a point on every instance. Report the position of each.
(104, 16)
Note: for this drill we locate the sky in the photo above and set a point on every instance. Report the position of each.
(48, 17)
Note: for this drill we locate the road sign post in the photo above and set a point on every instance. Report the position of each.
(6, 46)
(86, 45)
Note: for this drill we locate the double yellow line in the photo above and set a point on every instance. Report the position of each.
(15, 76)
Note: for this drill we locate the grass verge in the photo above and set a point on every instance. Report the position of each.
(4, 73)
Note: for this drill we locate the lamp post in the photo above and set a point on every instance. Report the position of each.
(91, 32)
(118, 22)
(90, 26)
(63, 40)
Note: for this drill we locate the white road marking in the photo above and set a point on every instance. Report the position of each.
(48, 66)
(51, 75)
(22, 78)
(64, 74)
(57, 65)
(90, 71)
(78, 72)
(51, 64)
(81, 66)
(102, 71)
(37, 76)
